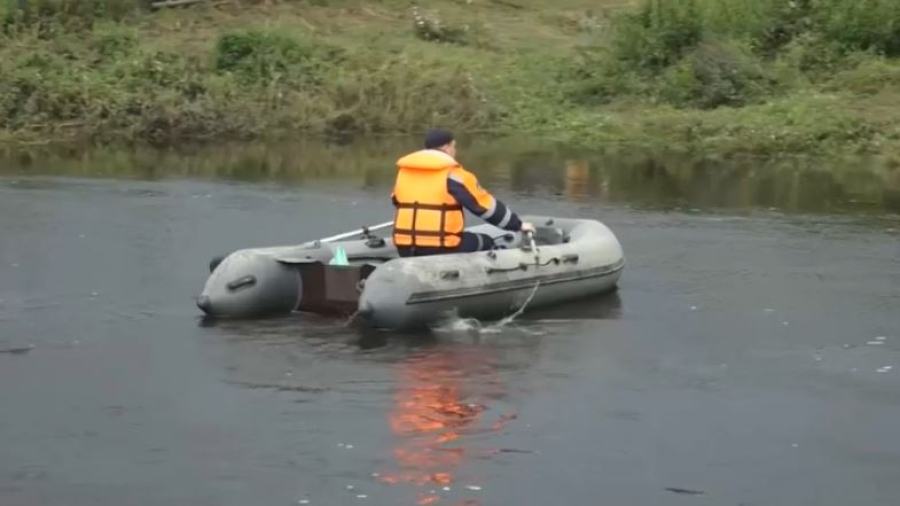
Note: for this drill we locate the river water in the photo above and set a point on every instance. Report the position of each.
(750, 357)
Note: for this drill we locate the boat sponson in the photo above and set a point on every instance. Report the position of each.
(412, 292)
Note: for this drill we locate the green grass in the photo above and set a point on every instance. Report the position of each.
(708, 76)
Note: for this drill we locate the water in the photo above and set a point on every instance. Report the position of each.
(735, 365)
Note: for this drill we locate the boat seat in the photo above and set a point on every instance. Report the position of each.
(550, 236)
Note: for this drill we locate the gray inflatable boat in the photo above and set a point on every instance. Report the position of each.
(566, 259)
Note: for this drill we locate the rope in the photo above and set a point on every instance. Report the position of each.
(521, 309)
(524, 266)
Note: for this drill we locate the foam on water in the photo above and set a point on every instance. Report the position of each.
(452, 323)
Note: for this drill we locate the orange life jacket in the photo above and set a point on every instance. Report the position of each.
(427, 215)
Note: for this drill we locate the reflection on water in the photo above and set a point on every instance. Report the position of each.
(795, 185)
(790, 186)
(578, 180)
(438, 406)
(446, 393)
(428, 413)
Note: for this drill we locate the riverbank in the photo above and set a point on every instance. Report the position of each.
(696, 77)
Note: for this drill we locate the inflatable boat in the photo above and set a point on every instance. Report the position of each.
(564, 260)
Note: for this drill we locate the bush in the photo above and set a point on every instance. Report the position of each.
(712, 53)
(772, 25)
(812, 55)
(390, 98)
(862, 25)
(658, 34)
(596, 78)
(782, 22)
(114, 40)
(40, 87)
(869, 75)
(711, 74)
(73, 14)
(431, 29)
(715, 74)
(263, 56)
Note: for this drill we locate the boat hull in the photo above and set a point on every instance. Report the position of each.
(415, 292)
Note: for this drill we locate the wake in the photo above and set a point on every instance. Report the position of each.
(452, 323)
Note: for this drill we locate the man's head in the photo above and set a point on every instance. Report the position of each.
(442, 140)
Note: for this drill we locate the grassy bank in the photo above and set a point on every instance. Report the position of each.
(713, 76)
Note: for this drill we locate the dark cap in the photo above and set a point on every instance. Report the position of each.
(437, 138)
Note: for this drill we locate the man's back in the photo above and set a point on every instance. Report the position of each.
(430, 192)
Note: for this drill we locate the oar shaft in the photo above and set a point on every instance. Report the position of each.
(356, 232)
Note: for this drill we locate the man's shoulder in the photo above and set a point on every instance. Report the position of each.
(462, 171)
(459, 173)
(465, 177)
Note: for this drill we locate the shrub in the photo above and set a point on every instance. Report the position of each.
(431, 29)
(782, 22)
(711, 53)
(772, 25)
(261, 56)
(657, 34)
(862, 25)
(813, 55)
(715, 74)
(75, 14)
(869, 75)
(114, 40)
(390, 98)
(596, 78)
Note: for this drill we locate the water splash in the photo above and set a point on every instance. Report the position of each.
(352, 319)
(509, 319)
(453, 323)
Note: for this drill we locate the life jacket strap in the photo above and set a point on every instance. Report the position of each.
(414, 232)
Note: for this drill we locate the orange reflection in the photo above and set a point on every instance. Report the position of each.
(577, 180)
(428, 499)
(431, 416)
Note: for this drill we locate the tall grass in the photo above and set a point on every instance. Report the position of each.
(71, 14)
(113, 82)
(855, 25)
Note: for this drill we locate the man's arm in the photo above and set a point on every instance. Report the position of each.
(464, 187)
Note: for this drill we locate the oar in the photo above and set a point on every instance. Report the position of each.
(364, 230)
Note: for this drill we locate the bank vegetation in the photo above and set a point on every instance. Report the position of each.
(764, 77)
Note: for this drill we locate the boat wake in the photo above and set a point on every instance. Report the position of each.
(453, 323)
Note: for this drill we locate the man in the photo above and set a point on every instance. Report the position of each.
(430, 193)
